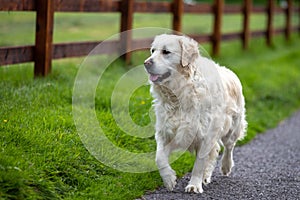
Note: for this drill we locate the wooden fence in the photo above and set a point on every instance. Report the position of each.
(44, 50)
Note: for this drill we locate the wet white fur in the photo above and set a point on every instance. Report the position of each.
(199, 106)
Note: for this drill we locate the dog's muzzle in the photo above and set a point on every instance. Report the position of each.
(155, 77)
(148, 63)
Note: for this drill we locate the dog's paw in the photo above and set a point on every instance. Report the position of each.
(226, 170)
(196, 188)
(170, 181)
(207, 180)
(168, 176)
(226, 167)
(207, 177)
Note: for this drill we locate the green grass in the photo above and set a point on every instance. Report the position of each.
(42, 156)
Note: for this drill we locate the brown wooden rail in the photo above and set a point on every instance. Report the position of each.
(43, 51)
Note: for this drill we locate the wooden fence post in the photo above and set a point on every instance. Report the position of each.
(126, 27)
(43, 37)
(288, 22)
(299, 18)
(270, 29)
(177, 10)
(217, 34)
(246, 23)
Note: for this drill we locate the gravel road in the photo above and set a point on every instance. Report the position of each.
(266, 168)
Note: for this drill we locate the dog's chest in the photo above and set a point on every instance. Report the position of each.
(168, 121)
(171, 123)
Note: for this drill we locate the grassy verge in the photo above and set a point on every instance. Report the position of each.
(42, 156)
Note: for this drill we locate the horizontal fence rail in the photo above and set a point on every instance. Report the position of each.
(43, 51)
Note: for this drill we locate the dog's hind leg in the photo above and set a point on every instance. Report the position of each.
(229, 141)
(211, 163)
(227, 161)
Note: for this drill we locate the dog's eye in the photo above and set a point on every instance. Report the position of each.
(152, 50)
(165, 52)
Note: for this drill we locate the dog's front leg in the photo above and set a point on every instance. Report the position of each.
(166, 172)
(195, 184)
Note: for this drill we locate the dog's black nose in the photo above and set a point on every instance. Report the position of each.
(148, 63)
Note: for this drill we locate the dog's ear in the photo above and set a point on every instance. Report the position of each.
(189, 51)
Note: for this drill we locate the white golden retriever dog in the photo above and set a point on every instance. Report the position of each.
(198, 105)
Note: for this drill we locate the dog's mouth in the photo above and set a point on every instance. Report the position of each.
(159, 77)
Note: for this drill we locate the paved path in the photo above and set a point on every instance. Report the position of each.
(266, 168)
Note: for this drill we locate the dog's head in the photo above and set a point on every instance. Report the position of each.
(171, 56)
